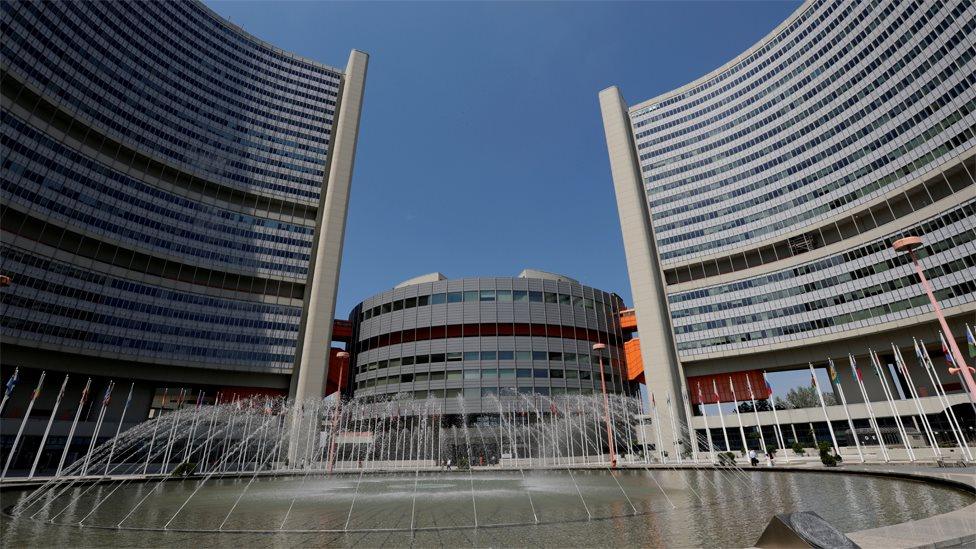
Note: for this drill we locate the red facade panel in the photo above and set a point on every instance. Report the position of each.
(740, 380)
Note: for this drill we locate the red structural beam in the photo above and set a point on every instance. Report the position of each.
(724, 391)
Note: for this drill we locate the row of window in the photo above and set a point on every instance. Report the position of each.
(477, 393)
(485, 296)
(828, 84)
(764, 336)
(553, 357)
(838, 299)
(797, 39)
(936, 152)
(965, 211)
(148, 123)
(829, 119)
(485, 374)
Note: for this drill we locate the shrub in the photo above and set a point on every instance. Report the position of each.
(798, 449)
(828, 459)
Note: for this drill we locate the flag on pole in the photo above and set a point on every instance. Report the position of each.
(832, 371)
(108, 395)
(947, 353)
(12, 382)
(813, 380)
(970, 341)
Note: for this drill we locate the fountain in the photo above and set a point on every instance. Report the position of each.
(401, 466)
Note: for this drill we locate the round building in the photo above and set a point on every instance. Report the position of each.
(465, 341)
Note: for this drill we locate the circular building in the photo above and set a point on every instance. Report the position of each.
(468, 340)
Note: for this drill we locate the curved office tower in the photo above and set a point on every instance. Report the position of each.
(174, 196)
(758, 203)
(470, 339)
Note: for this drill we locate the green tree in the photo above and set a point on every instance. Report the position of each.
(804, 397)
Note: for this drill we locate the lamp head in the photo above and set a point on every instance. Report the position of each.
(599, 346)
(907, 244)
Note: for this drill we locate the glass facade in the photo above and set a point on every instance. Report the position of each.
(473, 338)
(852, 125)
(161, 175)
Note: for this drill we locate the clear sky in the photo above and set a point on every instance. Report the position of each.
(481, 149)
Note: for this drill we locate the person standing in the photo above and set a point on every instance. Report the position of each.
(752, 458)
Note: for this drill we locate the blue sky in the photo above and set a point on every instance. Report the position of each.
(481, 149)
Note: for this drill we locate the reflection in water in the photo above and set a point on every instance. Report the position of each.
(709, 508)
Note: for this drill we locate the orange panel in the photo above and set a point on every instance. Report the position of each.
(628, 320)
(635, 365)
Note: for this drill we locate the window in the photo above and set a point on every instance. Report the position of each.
(539, 355)
(506, 373)
(398, 305)
(520, 296)
(437, 376)
(472, 356)
(524, 372)
(556, 374)
(470, 295)
(564, 299)
(584, 375)
(394, 362)
(535, 297)
(387, 307)
(437, 393)
(422, 300)
(454, 297)
(506, 355)
(472, 392)
(488, 355)
(420, 377)
(410, 302)
(489, 391)
(453, 393)
(407, 360)
(406, 378)
(454, 375)
(555, 356)
(455, 357)
(472, 374)
(569, 358)
(572, 374)
(420, 395)
(422, 359)
(489, 373)
(523, 355)
(436, 358)
(437, 299)
(587, 303)
(577, 301)
(505, 296)
(550, 297)
(540, 373)
(542, 390)
(487, 295)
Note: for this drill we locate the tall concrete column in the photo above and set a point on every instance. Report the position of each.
(312, 357)
(662, 369)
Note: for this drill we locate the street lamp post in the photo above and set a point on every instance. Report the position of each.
(908, 245)
(337, 413)
(599, 347)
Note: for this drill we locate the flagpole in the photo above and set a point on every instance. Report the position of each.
(708, 431)
(742, 431)
(74, 425)
(891, 404)
(657, 430)
(47, 430)
(872, 419)
(23, 423)
(752, 397)
(721, 416)
(11, 383)
(903, 366)
(152, 440)
(118, 429)
(674, 428)
(779, 430)
(943, 398)
(98, 426)
(843, 401)
(823, 406)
